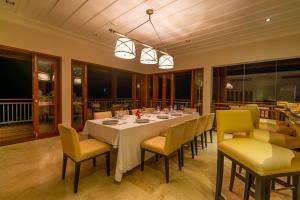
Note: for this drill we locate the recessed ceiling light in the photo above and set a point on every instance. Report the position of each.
(268, 19)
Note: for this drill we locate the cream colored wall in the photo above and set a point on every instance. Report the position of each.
(28, 36)
(21, 34)
(279, 48)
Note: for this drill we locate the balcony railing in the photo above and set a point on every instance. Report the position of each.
(15, 111)
(266, 109)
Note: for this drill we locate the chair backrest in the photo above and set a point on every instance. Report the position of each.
(201, 125)
(190, 110)
(254, 110)
(149, 110)
(174, 139)
(69, 140)
(190, 129)
(210, 121)
(101, 115)
(124, 112)
(232, 121)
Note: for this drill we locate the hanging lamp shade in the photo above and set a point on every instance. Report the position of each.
(166, 62)
(125, 48)
(148, 56)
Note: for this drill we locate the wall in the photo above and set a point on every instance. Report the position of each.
(279, 48)
(22, 34)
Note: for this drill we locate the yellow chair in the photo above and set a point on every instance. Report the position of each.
(165, 146)
(274, 137)
(101, 115)
(209, 127)
(79, 151)
(200, 132)
(189, 134)
(190, 110)
(149, 110)
(262, 161)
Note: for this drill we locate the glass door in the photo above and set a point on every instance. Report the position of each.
(46, 95)
(79, 102)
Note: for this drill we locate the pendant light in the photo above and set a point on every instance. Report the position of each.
(166, 62)
(148, 56)
(125, 48)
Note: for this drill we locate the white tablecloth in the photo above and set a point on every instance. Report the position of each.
(128, 135)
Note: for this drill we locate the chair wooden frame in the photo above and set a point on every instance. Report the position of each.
(262, 186)
(78, 164)
(166, 158)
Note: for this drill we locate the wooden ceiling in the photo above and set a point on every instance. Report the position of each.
(184, 25)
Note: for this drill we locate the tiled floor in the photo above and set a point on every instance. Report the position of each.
(32, 170)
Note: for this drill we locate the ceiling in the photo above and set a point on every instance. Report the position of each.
(184, 25)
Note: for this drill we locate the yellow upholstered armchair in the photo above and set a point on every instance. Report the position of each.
(262, 161)
(200, 132)
(165, 146)
(79, 151)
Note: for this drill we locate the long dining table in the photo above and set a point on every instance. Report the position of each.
(127, 136)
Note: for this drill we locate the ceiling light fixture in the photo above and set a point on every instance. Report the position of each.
(268, 19)
(125, 47)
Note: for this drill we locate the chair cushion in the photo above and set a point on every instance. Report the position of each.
(261, 157)
(92, 147)
(155, 144)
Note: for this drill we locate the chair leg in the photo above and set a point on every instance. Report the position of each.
(205, 138)
(210, 134)
(262, 188)
(192, 149)
(156, 157)
(142, 159)
(63, 173)
(196, 143)
(296, 190)
(182, 156)
(220, 171)
(167, 168)
(94, 162)
(76, 179)
(202, 141)
(108, 163)
(247, 185)
(232, 176)
(179, 159)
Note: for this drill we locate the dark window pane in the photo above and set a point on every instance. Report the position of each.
(183, 85)
(124, 85)
(99, 83)
(15, 75)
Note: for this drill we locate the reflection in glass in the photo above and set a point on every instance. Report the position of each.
(199, 90)
(46, 78)
(78, 95)
(260, 80)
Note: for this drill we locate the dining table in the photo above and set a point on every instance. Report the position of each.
(127, 135)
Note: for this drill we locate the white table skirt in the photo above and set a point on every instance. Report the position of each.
(128, 136)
